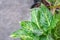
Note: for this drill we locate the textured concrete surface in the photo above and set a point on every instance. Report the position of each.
(11, 12)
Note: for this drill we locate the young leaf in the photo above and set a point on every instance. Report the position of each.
(35, 16)
(45, 17)
(32, 27)
(21, 33)
(24, 35)
(46, 37)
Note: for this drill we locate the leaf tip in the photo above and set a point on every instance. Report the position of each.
(12, 36)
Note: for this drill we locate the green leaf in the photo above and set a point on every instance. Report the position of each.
(51, 1)
(46, 37)
(54, 22)
(35, 16)
(43, 18)
(43, 37)
(46, 17)
(24, 35)
(57, 30)
(57, 2)
(32, 27)
(21, 33)
(54, 2)
(58, 25)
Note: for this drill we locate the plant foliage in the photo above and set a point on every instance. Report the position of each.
(40, 27)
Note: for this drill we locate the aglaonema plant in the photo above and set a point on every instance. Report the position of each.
(40, 26)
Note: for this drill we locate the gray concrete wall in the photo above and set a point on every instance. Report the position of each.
(11, 12)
